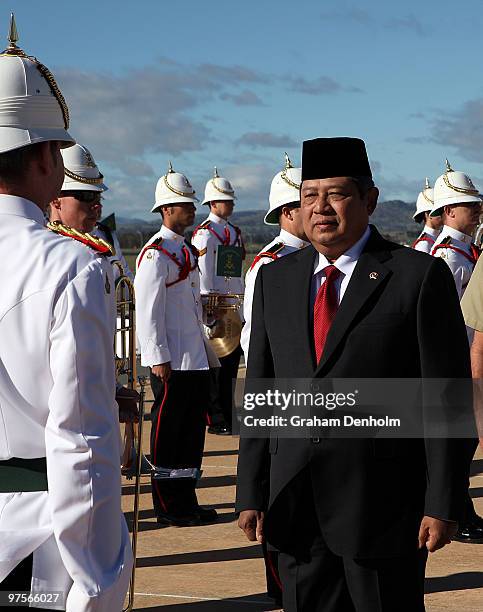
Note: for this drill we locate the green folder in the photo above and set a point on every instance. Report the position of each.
(229, 261)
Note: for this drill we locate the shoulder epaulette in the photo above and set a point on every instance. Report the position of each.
(155, 244)
(205, 225)
(202, 226)
(97, 244)
(271, 253)
(108, 233)
(445, 240)
(274, 249)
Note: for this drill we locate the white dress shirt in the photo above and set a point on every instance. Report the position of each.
(345, 263)
(460, 266)
(290, 244)
(57, 401)
(425, 246)
(204, 239)
(169, 320)
(118, 257)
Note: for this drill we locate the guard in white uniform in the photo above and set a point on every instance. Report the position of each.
(432, 225)
(284, 211)
(217, 231)
(459, 202)
(173, 344)
(79, 204)
(61, 525)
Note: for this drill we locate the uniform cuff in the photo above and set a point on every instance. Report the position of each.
(154, 355)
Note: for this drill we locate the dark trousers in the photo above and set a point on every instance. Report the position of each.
(274, 584)
(314, 579)
(469, 514)
(178, 436)
(19, 579)
(222, 396)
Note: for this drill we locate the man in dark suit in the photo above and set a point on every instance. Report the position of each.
(353, 519)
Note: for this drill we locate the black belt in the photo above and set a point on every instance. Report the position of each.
(23, 475)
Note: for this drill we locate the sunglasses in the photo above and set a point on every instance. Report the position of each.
(87, 197)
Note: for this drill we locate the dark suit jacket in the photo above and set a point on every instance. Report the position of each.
(370, 495)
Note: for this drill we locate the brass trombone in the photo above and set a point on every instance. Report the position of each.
(125, 358)
(137, 493)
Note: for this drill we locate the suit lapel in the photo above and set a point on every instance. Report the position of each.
(367, 277)
(299, 300)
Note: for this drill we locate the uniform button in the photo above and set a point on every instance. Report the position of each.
(192, 284)
(315, 440)
(196, 302)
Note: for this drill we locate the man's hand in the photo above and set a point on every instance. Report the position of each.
(434, 533)
(127, 400)
(162, 371)
(251, 521)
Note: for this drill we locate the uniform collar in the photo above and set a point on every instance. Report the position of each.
(430, 231)
(165, 232)
(217, 219)
(456, 234)
(20, 207)
(347, 261)
(290, 240)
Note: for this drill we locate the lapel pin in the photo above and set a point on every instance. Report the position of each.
(373, 275)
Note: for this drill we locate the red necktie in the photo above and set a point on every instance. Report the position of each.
(325, 307)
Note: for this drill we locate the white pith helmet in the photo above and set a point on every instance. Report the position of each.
(425, 201)
(32, 107)
(81, 171)
(218, 189)
(453, 187)
(285, 188)
(173, 188)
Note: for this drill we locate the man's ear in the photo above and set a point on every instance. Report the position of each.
(372, 196)
(286, 211)
(449, 211)
(56, 203)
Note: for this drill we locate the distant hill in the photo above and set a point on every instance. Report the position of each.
(393, 219)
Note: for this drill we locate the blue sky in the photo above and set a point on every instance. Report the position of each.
(235, 84)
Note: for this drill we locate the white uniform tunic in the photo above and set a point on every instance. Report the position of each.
(426, 239)
(460, 263)
(206, 239)
(57, 401)
(290, 244)
(169, 319)
(118, 256)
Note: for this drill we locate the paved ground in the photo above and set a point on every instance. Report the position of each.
(215, 569)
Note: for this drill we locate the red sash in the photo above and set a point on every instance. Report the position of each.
(423, 238)
(273, 257)
(184, 266)
(225, 239)
(472, 258)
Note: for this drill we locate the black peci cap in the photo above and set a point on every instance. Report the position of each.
(329, 157)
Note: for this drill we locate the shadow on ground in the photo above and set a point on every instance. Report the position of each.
(251, 603)
(476, 467)
(219, 453)
(204, 556)
(216, 481)
(476, 492)
(454, 582)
